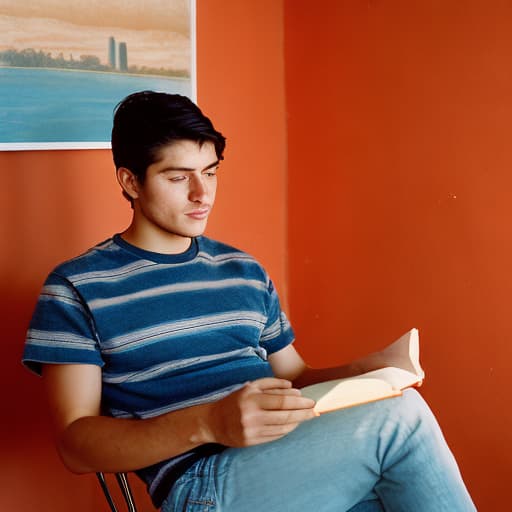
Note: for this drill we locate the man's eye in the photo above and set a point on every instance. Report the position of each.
(211, 172)
(178, 178)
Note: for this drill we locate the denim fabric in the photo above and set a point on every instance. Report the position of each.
(339, 462)
(373, 505)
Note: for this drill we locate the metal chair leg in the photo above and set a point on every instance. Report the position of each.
(124, 485)
(106, 491)
(122, 480)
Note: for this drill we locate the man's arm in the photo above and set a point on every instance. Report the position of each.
(261, 411)
(288, 364)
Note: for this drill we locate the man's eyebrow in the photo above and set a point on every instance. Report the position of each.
(190, 169)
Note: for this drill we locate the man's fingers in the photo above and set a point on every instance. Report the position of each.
(279, 424)
(279, 402)
(263, 410)
(287, 391)
(268, 383)
(278, 394)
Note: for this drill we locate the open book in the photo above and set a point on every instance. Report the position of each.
(398, 368)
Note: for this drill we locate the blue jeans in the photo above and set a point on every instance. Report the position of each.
(389, 455)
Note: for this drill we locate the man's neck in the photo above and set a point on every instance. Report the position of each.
(159, 242)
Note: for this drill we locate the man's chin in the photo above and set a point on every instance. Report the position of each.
(193, 233)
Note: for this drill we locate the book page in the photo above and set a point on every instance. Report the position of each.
(338, 394)
(404, 353)
(398, 368)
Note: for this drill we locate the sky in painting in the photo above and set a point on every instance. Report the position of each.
(156, 31)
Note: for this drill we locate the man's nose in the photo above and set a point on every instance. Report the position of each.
(198, 190)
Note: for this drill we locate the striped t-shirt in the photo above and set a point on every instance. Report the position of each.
(169, 331)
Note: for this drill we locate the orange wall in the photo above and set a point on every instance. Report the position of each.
(399, 202)
(55, 204)
(392, 214)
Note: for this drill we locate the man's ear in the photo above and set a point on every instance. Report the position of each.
(128, 181)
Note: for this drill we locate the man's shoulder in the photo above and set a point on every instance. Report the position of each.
(99, 257)
(234, 260)
(216, 249)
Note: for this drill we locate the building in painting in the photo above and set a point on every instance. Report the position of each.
(123, 57)
(117, 55)
(112, 52)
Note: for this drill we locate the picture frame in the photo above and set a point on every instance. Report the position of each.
(64, 66)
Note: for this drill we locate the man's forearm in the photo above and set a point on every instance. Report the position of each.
(259, 412)
(100, 443)
(364, 364)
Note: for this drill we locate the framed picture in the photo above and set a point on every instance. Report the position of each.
(64, 66)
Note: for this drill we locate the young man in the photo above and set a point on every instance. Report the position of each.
(167, 353)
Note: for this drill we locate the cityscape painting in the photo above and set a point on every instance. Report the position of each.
(64, 66)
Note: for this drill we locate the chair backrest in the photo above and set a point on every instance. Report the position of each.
(124, 485)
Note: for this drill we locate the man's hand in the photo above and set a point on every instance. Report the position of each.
(262, 411)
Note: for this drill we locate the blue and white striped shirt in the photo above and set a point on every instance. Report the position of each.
(169, 331)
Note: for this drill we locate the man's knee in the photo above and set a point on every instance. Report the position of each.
(414, 404)
(412, 412)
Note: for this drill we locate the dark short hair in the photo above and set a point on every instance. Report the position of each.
(146, 121)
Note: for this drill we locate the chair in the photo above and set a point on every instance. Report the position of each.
(124, 485)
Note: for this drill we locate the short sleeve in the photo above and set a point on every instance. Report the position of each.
(278, 332)
(61, 330)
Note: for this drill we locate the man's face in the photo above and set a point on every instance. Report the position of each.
(178, 193)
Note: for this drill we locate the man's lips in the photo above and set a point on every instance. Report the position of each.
(198, 213)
